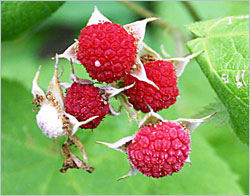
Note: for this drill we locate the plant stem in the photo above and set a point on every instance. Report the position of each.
(147, 14)
(80, 147)
(175, 32)
(191, 10)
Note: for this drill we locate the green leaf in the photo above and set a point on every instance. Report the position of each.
(20, 16)
(230, 149)
(225, 62)
(221, 118)
(31, 161)
(220, 8)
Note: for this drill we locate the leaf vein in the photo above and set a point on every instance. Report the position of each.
(216, 74)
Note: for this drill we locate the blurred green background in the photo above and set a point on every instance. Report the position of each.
(31, 161)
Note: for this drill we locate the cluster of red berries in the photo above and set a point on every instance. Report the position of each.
(133, 72)
(108, 52)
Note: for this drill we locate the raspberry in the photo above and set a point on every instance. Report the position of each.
(159, 150)
(107, 51)
(162, 73)
(83, 102)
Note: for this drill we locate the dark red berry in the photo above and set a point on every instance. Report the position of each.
(83, 102)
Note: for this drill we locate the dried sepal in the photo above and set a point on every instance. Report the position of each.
(65, 85)
(74, 78)
(132, 115)
(151, 118)
(180, 63)
(79, 145)
(138, 71)
(54, 88)
(148, 51)
(71, 53)
(164, 52)
(132, 171)
(113, 112)
(138, 29)
(72, 161)
(110, 91)
(192, 124)
(75, 124)
(188, 161)
(36, 90)
(120, 145)
(97, 17)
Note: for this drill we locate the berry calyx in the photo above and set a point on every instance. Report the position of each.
(85, 101)
(159, 150)
(162, 73)
(107, 51)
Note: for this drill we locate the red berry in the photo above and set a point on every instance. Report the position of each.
(159, 150)
(107, 51)
(83, 102)
(162, 73)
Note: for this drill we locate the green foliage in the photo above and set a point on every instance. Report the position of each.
(220, 8)
(20, 16)
(27, 154)
(225, 62)
(221, 118)
(31, 161)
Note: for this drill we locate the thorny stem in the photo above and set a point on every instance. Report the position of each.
(175, 32)
(191, 10)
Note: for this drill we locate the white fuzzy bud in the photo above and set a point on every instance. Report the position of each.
(49, 121)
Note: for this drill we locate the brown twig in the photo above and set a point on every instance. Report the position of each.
(175, 32)
(71, 160)
(146, 13)
(191, 10)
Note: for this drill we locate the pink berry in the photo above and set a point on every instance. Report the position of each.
(159, 150)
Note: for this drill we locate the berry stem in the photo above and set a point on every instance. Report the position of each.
(191, 10)
(169, 28)
(123, 101)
